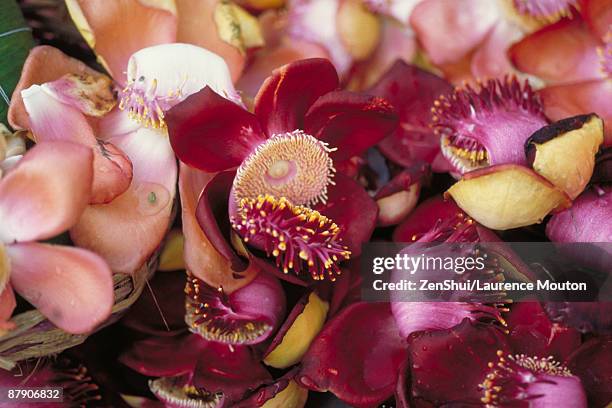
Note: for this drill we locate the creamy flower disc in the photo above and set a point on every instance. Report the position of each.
(292, 165)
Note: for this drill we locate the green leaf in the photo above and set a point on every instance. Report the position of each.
(15, 43)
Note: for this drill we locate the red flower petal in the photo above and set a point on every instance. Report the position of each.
(562, 101)
(448, 365)
(532, 333)
(72, 287)
(235, 371)
(562, 52)
(352, 209)
(160, 310)
(46, 192)
(592, 363)
(424, 217)
(211, 133)
(286, 96)
(412, 92)
(158, 356)
(360, 369)
(350, 122)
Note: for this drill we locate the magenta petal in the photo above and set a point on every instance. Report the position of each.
(39, 198)
(286, 96)
(448, 365)
(532, 333)
(352, 209)
(72, 287)
(211, 133)
(234, 371)
(158, 357)
(412, 92)
(361, 368)
(424, 217)
(350, 122)
(592, 363)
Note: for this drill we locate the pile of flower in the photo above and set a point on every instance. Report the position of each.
(257, 144)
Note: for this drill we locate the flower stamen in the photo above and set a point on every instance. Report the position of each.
(140, 98)
(298, 237)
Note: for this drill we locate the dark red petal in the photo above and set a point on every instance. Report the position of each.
(158, 356)
(352, 209)
(350, 122)
(270, 390)
(235, 371)
(211, 133)
(532, 333)
(213, 218)
(160, 310)
(448, 365)
(586, 317)
(562, 52)
(286, 96)
(598, 15)
(357, 356)
(412, 92)
(425, 217)
(592, 363)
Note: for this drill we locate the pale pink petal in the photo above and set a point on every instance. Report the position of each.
(52, 120)
(562, 101)
(398, 9)
(116, 123)
(201, 257)
(72, 287)
(449, 29)
(44, 64)
(46, 193)
(197, 26)
(122, 27)
(491, 58)
(315, 21)
(128, 230)
(172, 72)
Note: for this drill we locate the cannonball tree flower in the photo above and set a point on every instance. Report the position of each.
(474, 365)
(574, 58)
(560, 160)
(39, 199)
(158, 77)
(285, 198)
(475, 35)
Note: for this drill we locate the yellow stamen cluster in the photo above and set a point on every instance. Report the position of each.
(294, 165)
(296, 236)
(170, 392)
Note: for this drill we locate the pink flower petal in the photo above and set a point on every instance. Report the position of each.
(52, 120)
(72, 287)
(449, 29)
(210, 133)
(123, 27)
(562, 52)
(491, 59)
(7, 305)
(286, 96)
(127, 231)
(202, 258)
(44, 64)
(350, 122)
(598, 15)
(46, 192)
(196, 26)
(562, 101)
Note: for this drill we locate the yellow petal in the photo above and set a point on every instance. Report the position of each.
(5, 267)
(302, 332)
(171, 258)
(507, 196)
(358, 28)
(565, 151)
(293, 396)
(236, 26)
